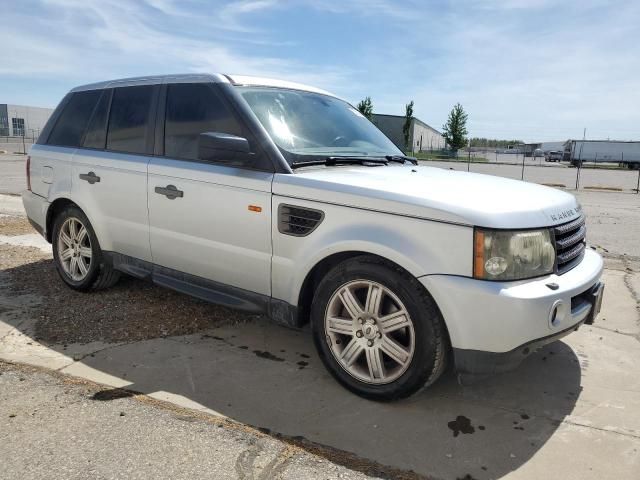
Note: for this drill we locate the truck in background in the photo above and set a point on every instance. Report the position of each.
(624, 153)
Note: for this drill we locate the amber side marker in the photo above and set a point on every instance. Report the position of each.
(255, 208)
(478, 257)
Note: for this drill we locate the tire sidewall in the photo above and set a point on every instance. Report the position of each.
(96, 255)
(424, 318)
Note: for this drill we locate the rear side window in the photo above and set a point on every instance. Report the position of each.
(129, 119)
(73, 121)
(192, 109)
(96, 135)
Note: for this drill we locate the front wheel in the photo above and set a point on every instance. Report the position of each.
(377, 330)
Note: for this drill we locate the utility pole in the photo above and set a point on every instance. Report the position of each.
(584, 136)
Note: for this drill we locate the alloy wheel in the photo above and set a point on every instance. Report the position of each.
(369, 331)
(74, 249)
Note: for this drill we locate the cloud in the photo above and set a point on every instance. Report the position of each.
(535, 69)
(109, 38)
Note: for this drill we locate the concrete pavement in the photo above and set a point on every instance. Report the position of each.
(78, 430)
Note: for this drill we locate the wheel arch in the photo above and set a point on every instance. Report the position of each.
(57, 206)
(315, 275)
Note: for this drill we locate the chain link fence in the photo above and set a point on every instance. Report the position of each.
(610, 176)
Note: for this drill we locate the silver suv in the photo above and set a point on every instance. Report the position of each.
(282, 199)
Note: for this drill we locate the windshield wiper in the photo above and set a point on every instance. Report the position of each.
(401, 159)
(344, 160)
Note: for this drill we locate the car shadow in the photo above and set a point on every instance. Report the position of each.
(270, 377)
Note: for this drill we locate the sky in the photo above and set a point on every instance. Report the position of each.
(534, 70)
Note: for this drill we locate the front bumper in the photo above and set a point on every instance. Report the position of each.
(494, 325)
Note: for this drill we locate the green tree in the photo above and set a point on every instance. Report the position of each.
(455, 130)
(406, 128)
(366, 108)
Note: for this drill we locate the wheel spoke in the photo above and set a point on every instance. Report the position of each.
(86, 252)
(72, 229)
(340, 325)
(64, 236)
(397, 352)
(395, 321)
(73, 267)
(81, 266)
(375, 364)
(66, 254)
(350, 303)
(81, 234)
(374, 299)
(351, 352)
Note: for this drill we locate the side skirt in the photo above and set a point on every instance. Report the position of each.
(211, 291)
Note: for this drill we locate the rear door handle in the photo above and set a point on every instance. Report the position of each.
(90, 177)
(170, 191)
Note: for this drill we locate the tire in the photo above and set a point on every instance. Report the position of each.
(77, 254)
(361, 355)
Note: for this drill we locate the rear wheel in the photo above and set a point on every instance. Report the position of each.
(77, 254)
(377, 330)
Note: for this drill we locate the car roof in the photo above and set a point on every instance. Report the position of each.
(201, 78)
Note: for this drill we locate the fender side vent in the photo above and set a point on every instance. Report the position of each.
(298, 221)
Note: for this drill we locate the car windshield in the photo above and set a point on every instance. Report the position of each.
(308, 125)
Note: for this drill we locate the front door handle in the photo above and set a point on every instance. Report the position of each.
(170, 191)
(89, 177)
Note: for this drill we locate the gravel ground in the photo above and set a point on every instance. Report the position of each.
(14, 225)
(53, 426)
(132, 310)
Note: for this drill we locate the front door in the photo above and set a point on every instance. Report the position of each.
(210, 220)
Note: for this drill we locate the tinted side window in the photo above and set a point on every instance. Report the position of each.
(192, 109)
(96, 135)
(129, 119)
(73, 121)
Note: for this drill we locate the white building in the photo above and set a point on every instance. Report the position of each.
(21, 120)
(422, 137)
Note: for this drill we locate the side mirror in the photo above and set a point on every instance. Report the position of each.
(223, 147)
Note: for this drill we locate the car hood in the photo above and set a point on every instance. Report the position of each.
(433, 193)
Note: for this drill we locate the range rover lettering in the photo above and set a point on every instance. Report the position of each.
(282, 199)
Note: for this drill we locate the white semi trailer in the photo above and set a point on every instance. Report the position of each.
(625, 153)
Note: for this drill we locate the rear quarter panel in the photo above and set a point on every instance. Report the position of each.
(51, 171)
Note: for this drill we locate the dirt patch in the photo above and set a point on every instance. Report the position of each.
(10, 225)
(132, 310)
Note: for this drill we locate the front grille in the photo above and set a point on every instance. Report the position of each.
(298, 221)
(570, 244)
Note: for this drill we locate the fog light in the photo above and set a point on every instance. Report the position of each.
(557, 313)
(495, 266)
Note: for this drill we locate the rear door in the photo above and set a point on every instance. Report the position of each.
(109, 178)
(219, 229)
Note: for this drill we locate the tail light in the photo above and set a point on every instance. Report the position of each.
(28, 167)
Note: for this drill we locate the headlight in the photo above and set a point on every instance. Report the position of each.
(512, 255)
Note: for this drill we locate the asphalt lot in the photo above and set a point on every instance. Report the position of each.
(554, 174)
(572, 410)
(12, 173)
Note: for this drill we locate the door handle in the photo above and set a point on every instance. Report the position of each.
(89, 177)
(170, 191)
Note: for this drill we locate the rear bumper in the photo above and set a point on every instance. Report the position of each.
(495, 325)
(36, 208)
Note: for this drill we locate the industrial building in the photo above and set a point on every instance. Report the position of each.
(422, 137)
(22, 121)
